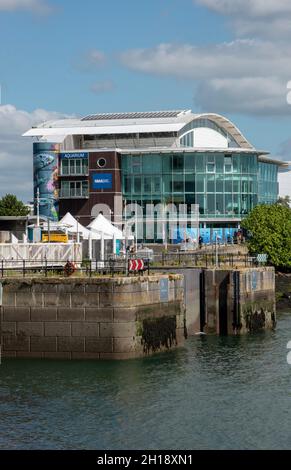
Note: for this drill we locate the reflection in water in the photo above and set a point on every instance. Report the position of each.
(216, 393)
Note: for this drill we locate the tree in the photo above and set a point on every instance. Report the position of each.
(269, 228)
(11, 206)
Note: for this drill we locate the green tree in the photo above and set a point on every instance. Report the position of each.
(269, 228)
(11, 206)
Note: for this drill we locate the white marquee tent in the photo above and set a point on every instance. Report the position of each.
(72, 225)
(102, 225)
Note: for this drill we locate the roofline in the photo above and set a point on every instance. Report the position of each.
(181, 150)
(77, 127)
(273, 161)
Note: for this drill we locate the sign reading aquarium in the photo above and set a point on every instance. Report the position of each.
(102, 181)
(75, 155)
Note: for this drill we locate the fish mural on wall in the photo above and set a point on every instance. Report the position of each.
(45, 164)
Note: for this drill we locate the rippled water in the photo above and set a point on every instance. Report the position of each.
(216, 393)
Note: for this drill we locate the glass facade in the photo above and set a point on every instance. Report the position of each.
(268, 183)
(225, 186)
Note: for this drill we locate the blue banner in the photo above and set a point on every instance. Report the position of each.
(102, 181)
(75, 155)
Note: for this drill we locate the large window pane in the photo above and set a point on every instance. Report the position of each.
(200, 164)
(200, 180)
(178, 183)
(189, 183)
(147, 184)
(65, 166)
(156, 184)
(178, 162)
(136, 164)
(219, 160)
(219, 183)
(210, 184)
(219, 203)
(78, 167)
(200, 199)
(137, 184)
(189, 162)
(72, 167)
(211, 204)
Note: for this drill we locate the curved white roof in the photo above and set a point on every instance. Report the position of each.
(127, 123)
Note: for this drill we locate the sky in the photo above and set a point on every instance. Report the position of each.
(70, 58)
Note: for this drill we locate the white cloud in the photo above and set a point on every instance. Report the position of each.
(90, 60)
(102, 87)
(236, 59)
(285, 151)
(95, 57)
(247, 76)
(16, 173)
(259, 95)
(259, 18)
(35, 6)
(250, 8)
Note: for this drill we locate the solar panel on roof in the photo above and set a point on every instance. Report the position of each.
(141, 115)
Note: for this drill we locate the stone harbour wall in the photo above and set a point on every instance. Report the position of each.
(239, 301)
(102, 318)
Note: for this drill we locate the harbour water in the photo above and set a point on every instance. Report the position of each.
(216, 393)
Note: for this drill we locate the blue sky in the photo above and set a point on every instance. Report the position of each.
(71, 57)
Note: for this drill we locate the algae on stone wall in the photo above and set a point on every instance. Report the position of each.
(158, 333)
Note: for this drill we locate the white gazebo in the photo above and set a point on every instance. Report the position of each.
(72, 226)
(102, 225)
(107, 231)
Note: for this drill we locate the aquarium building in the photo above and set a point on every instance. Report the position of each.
(169, 158)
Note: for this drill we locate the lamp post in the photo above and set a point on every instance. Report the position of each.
(37, 208)
(136, 227)
(78, 234)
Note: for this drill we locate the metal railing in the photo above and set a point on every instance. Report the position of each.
(50, 268)
(203, 260)
(120, 265)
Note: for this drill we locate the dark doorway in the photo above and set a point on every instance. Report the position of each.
(223, 291)
(202, 301)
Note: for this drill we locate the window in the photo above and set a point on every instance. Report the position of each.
(200, 183)
(210, 184)
(74, 166)
(228, 164)
(136, 164)
(189, 183)
(200, 165)
(65, 167)
(127, 184)
(210, 167)
(147, 184)
(137, 184)
(178, 162)
(178, 187)
(74, 189)
(156, 184)
(101, 162)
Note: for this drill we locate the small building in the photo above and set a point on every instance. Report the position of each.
(16, 226)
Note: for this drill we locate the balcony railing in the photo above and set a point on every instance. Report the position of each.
(74, 194)
(84, 172)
